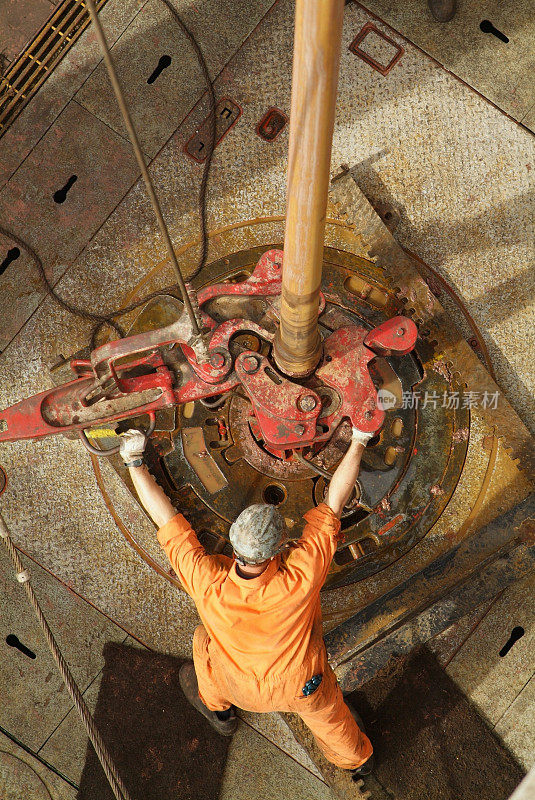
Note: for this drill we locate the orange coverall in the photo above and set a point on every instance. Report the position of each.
(261, 639)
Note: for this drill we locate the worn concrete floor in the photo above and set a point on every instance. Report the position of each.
(465, 195)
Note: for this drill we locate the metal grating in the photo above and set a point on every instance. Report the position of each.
(32, 67)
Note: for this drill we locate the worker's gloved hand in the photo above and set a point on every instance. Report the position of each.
(361, 437)
(132, 447)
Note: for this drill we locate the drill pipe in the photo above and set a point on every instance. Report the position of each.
(317, 45)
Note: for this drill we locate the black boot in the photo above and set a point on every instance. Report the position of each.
(442, 10)
(365, 769)
(188, 684)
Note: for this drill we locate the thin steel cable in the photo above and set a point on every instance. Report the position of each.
(109, 317)
(213, 135)
(119, 789)
(132, 133)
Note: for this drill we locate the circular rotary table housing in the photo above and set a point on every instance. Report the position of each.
(212, 461)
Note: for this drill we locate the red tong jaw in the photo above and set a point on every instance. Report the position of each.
(135, 375)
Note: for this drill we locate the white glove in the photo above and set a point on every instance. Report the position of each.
(132, 445)
(361, 437)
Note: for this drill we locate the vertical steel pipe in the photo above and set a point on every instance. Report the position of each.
(317, 45)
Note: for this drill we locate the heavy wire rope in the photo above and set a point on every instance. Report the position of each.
(23, 576)
(109, 318)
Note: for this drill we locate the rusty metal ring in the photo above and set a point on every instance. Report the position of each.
(112, 450)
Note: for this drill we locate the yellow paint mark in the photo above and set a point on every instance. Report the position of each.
(101, 433)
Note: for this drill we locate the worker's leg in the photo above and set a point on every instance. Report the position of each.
(209, 691)
(333, 726)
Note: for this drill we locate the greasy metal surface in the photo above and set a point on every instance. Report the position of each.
(478, 568)
(201, 461)
(480, 586)
(401, 510)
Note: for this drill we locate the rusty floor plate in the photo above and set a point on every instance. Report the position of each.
(74, 194)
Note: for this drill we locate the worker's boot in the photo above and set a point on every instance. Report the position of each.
(442, 10)
(365, 769)
(189, 685)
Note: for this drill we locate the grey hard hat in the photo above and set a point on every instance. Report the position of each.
(258, 533)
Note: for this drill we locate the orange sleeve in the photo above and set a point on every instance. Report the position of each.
(310, 557)
(195, 568)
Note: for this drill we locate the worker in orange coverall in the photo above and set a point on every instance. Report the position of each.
(260, 646)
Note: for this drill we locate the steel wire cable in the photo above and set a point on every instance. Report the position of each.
(109, 318)
(140, 158)
(117, 785)
(119, 789)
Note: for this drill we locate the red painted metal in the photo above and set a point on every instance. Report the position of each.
(134, 376)
(265, 280)
(347, 353)
(286, 412)
(397, 336)
(345, 369)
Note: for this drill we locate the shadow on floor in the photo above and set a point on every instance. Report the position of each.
(430, 742)
(162, 747)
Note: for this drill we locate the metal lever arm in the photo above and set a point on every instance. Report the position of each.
(112, 450)
(397, 336)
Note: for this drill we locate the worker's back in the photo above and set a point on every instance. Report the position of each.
(267, 625)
